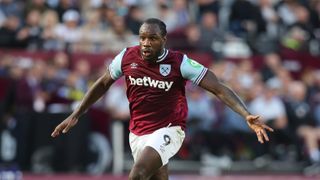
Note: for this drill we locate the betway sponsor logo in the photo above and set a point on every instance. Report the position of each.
(147, 81)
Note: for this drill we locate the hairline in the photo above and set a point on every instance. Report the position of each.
(159, 29)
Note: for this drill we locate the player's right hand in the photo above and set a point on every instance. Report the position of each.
(65, 125)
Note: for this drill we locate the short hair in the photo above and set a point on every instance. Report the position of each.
(162, 26)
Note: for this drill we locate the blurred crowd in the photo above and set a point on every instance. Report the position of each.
(229, 27)
(222, 28)
(287, 104)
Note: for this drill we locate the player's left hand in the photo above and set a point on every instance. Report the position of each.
(258, 127)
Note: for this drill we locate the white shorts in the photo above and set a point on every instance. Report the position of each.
(166, 141)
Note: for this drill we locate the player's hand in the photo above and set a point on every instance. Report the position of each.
(258, 127)
(65, 125)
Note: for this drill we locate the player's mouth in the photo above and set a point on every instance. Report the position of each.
(146, 53)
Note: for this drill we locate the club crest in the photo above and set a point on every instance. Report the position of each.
(165, 69)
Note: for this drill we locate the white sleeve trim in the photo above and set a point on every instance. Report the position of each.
(200, 77)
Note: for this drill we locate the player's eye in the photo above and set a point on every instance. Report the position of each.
(142, 38)
(153, 38)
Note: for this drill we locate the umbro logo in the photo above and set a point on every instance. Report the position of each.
(133, 65)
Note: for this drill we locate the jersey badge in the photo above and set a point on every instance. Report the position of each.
(165, 69)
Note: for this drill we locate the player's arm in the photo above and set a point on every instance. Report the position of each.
(211, 83)
(96, 91)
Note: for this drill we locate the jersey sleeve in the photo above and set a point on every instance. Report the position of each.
(115, 66)
(192, 70)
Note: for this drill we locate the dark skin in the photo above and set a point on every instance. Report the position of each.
(149, 165)
(151, 42)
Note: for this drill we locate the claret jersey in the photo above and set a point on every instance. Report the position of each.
(156, 91)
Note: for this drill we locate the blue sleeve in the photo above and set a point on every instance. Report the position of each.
(115, 66)
(192, 70)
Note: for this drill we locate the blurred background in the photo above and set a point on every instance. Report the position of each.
(51, 51)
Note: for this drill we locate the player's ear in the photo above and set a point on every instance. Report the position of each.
(164, 39)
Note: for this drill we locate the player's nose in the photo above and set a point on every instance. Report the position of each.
(146, 43)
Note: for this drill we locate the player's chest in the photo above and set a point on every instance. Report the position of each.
(160, 77)
(159, 71)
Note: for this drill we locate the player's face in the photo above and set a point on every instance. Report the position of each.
(151, 41)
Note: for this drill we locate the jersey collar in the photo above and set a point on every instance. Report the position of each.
(163, 55)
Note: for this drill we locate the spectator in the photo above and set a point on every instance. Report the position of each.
(25, 84)
(122, 7)
(117, 103)
(150, 7)
(12, 8)
(314, 7)
(187, 38)
(107, 14)
(272, 64)
(6, 62)
(309, 79)
(91, 33)
(241, 141)
(82, 70)
(51, 82)
(61, 63)
(202, 114)
(180, 8)
(70, 90)
(211, 37)
(30, 34)
(285, 10)
(168, 16)
(49, 23)
(193, 34)
(134, 19)
(201, 120)
(8, 32)
(246, 76)
(301, 121)
(314, 90)
(282, 80)
(119, 35)
(272, 110)
(301, 32)
(69, 32)
(2, 18)
(76, 82)
(208, 5)
(246, 19)
(64, 6)
(39, 5)
(270, 16)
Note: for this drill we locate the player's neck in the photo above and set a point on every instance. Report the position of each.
(163, 54)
